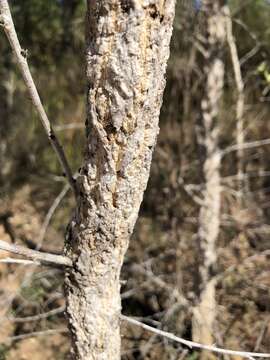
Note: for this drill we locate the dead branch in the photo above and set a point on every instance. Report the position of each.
(46, 258)
(33, 334)
(49, 215)
(245, 261)
(21, 57)
(38, 317)
(246, 146)
(192, 344)
(71, 126)
(9, 260)
(240, 94)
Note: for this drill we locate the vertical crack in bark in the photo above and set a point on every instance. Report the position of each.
(126, 55)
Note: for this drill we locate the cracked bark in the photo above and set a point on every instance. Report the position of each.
(214, 32)
(127, 50)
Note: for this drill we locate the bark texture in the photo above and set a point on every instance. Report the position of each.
(240, 105)
(214, 31)
(126, 55)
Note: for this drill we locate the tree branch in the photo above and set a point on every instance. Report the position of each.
(192, 344)
(240, 103)
(9, 260)
(34, 255)
(70, 126)
(34, 334)
(38, 317)
(245, 146)
(21, 57)
(50, 213)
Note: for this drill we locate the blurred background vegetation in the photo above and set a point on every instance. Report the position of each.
(159, 269)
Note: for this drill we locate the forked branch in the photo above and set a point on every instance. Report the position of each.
(21, 57)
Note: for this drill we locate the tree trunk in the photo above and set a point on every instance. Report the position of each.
(214, 32)
(126, 55)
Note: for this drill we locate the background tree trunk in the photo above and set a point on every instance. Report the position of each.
(126, 55)
(214, 35)
(240, 107)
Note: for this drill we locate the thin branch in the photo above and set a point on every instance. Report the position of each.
(189, 189)
(70, 126)
(192, 344)
(49, 215)
(33, 334)
(250, 54)
(247, 260)
(245, 146)
(21, 57)
(46, 258)
(9, 260)
(174, 293)
(40, 239)
(38, 317)
(240, 94)
(262, 333)
(183, 355)
(246, 175)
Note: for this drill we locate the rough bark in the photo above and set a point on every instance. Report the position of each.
(240, 105)
(214, 31)
(126, 55)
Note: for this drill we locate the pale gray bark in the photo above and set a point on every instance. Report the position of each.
(214, 32)
(126, 55)
(240, 102)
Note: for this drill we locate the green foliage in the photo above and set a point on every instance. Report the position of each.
(40, 24)
(3, 352)
(46, 29)
(264, 70)
(34, 293)
(194, 355)
(52, 33)
(253, 26)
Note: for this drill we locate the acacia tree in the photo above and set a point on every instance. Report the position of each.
(127, 47)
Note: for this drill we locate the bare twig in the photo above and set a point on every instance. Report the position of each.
(9, 260)
(38, 317)
(250, 54)
(174, 293)
(183, 354)
(240, 95)
(262, 333)
(245, 261)
(245, 146)
(33, 334)
(70, 126)
(254, 174)
(49, 215)
(189, 189)
(21, 57)
(192, 344)
(46, 258)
